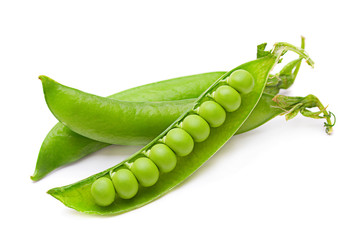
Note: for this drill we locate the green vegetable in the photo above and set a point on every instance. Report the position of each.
(62, 146)
(227, 97)
(103, 192)
(145, 171)
(163, 157)
(197, 127)
(125, 183)
(242, 81)
(84, 111)
(78, 195)
(213, 113)
(179, 141)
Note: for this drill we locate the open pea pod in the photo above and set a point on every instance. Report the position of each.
(79, 195)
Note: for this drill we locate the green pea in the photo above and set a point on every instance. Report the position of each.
(213, 113)
(103, 191)
(227, 97)
(163, 157)
(242, 81)
(179, 141)
(197, 127)
(145, 171)
(125, 183)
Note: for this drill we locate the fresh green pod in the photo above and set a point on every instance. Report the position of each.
(63, 146)
(78, 195)
(106, 116)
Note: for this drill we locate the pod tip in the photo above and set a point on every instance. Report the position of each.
(35, 177)
(42, 77)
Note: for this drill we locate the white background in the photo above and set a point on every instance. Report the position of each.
(284, 180)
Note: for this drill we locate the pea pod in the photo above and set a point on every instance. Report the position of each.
(62, 146)
(84, 111)
(110, 121)
(78, 195)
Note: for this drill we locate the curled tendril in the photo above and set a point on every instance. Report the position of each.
(328, 125)
(294, 105)
(329, 116)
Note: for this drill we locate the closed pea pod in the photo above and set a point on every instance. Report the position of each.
(227, 97)
(125, 183)
(76, 109)
(197, 127)
(163, 157)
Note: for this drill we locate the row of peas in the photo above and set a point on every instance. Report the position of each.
(179, 141)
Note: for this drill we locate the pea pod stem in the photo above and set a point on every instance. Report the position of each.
(294, 105)
(283, 47)
(297, 68)
(327, 115)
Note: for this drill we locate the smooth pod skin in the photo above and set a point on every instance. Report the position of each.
(213, 113)
(103, 192)
(228, 98)
(125, 183)
(179, 141)
(145, 171)
(197, 127)
(77, 195)
(266, 110)
(63, 146)
(163, 157)
(242, 81)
